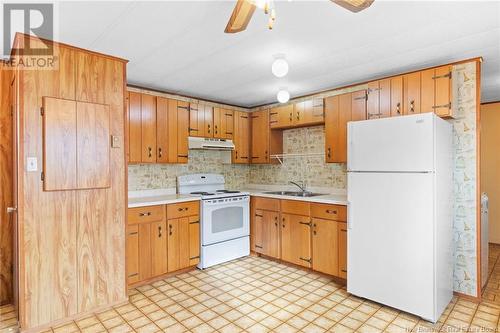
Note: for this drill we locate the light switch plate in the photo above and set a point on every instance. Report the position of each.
(115, 141)
(32, 164)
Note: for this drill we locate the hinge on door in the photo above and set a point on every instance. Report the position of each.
(258, 215)
(308, 260)
(194, 222)
(442, 106)
(42, 111)
(306, 223)
(365, 97)
(258, 246)
(42, 176)
(197, 257)
(442, 76)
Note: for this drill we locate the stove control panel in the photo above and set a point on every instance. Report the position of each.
(244, 198)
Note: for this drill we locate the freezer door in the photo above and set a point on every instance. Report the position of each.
(404, 144)
(390, 240)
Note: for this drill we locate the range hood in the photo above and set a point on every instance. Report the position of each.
(210, 144)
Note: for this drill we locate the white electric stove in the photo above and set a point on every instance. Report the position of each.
(225, 218)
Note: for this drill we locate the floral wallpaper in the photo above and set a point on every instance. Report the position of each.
(465, 158)
(316, 173)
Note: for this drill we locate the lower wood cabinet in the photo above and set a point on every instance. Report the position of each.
(158, 244)
(312, 235)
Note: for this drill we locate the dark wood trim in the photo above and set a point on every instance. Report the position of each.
(467, 297)
(477, 59)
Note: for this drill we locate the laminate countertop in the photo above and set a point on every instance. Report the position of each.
(157, 197)
(334, 199)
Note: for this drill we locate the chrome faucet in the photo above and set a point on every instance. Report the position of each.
(302, 187)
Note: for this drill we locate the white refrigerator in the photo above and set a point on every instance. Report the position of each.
(400, 213)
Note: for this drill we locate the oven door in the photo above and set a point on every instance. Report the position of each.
(225, 219)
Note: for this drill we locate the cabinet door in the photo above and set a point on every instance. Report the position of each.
(218, 120)
(318, 110)
(209, 121)
(427, 91)
(296, 239)
(358, 108)
(145, 251)
(194, 240)
(260, 136)
(162, 129)
(173, 251)
(442, 98)
(228, 124)
(397, 96)
(272, 239)
(385, 98)
(258, 231)
(148, 128)
(159, 248)
(182, 132)
(134, 134)
(241, 138)
(196, 123)
(411, 88)
(373, 100)
(132, 254)
(299, 116)
(342, 243)
(281, 116)
(183, 242)
(325, 247)
(331, 127)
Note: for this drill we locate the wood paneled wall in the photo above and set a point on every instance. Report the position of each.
(6, 222)
(71, 243)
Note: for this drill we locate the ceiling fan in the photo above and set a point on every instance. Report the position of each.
(243, 11)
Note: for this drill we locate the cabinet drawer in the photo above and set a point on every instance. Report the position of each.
(266, 204)
(330, 212)
(146, 214)
(296, 207)
(183, 209)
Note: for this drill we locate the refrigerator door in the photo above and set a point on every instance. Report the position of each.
(390, 240)
(399, 144)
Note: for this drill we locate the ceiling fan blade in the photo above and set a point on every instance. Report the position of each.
(240, 17)
(354, 5)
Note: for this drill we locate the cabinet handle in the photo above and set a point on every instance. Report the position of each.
(258, 246)
(132, 275)
(276, 218)
(185, 156)
(276, 224)
(343, 270)
(298, 115)
(306, 259)
(398, 108)
(215, 129)
(314, 232)
(208, 127)
(291, 116)
(145, 214)
(180, 209)
(160, 152)
(329, 152)
(132, 233)
(329, 211)
(170, 229)
(159, 231)
(412, 106)
(442, 76)
(150, 152)
(194, 222)
(344, 230)
(306, 223)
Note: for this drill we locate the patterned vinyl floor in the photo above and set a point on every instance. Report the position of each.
(257, 295)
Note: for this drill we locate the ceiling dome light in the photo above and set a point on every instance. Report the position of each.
(280, 67)
(283, 96)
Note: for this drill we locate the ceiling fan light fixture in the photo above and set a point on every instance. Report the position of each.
(279, 67)
(283, 96)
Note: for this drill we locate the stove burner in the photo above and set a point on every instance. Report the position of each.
(202, 193)
(227, 191)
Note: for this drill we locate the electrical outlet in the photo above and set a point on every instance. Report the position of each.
(32, 164)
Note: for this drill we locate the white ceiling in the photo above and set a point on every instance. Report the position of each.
(180, 46)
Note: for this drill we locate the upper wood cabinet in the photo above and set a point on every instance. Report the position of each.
(76, 142)
(162, 143)
(241, 153)
(281, 116)
(142, 128)
(411, 93)
(148, 128)
(178, 131)
(436, 91)
(223, 123)
(264, 142)
(305, 113)
(339, 110)
(396, 96)
(201, 120)
(378, 103)
(309, 112)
